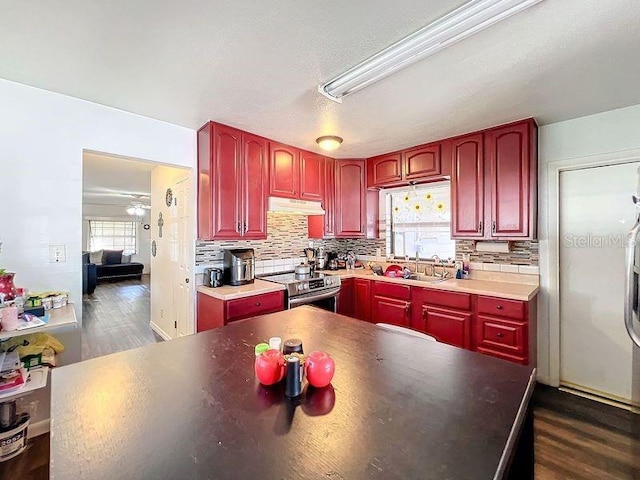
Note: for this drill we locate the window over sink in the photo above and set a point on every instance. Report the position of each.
(418, 219)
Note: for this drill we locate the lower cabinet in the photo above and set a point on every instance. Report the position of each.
(391, 303)
(362, 299)
(345, 301)
(214, 313)
(489, 325)
(448, 326)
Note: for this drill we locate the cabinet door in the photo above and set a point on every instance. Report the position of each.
(448, 326)
(467, 187)
(511, 176)
(362, 299)
(330, 198)
(254, 182)
(284, 171)
(421, 163)
(205, 212)
(210, 313)
(311, 176)
(350, 199)
(345, 301)
(390, 310)
(226, 178)
(385, 170)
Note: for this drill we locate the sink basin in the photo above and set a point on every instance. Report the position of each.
(427, 278)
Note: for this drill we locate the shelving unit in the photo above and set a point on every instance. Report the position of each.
(60, 318)
(37, 379)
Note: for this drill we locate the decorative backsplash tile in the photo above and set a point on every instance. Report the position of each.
(288, 236)
(521, 253)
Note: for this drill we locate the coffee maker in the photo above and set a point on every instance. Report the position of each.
(239, 266)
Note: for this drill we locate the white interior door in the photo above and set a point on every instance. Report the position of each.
(183, 272)
(596, 212)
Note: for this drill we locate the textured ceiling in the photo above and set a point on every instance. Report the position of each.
(111, 180)
(256, 64)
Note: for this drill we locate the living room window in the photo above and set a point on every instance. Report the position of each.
(418, 220)
(113, 235)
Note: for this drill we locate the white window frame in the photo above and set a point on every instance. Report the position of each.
(443, 224)
(126, 250)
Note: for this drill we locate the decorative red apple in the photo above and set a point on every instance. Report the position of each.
(319, 369)
(269, 367)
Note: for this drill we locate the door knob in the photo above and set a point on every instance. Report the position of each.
(186, 280)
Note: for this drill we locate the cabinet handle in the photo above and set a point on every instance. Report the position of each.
(258, 304)
(239, 228)
(480, 228)
(500, 334)
(245, 228)
(493, 227)
(407, 309)
(499, 307)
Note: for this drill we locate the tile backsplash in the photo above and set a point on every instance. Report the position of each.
(288, 236)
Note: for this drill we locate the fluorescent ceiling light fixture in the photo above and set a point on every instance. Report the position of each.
(329, 142)
(463, 22)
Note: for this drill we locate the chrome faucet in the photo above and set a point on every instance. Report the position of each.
(438, 261)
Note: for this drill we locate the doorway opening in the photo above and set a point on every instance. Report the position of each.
(126, 218)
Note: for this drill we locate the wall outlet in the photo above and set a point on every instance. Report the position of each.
(57, 253)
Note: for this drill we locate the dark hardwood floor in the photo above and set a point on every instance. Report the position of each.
(116, 318)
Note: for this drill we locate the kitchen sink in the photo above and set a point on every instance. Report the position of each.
(427, 278)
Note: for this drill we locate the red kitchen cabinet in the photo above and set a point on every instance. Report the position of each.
(422, 162)
(254, 187)
(214, 313)
(506, 329)
(284, 171)
(346, 299)
(467, 187)
(391, 303)
(494, 183)
(447, 316)
(512, 180)
(362, 299)
(232, 176)
(448, 326)
(323, 226)
(312, 176)
(350, 200)
(385, 170)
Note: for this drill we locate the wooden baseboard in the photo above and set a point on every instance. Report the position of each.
(592, 395)
(159, 331)
(39, 428)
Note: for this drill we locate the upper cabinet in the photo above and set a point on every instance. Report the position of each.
(512, 180)
(296, 173)
(385, 170)
(284, 171)
(422, 162)
(417, 164)
(493, 183)
(324, 226)
(467, 187)
(232, 181)
(351, 199)
(312, 176)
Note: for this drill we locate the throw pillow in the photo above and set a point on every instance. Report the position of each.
(112, 257)
(96, 257)
(126, 258)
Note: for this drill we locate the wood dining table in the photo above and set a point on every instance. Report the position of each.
(399, 407)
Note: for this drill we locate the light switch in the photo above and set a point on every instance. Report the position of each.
(57, 254)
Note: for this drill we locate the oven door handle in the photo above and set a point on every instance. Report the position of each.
(301, 300)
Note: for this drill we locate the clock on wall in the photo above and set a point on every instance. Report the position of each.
(169, 197)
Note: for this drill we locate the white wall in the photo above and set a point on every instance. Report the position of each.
(602, 133)
(118, 212)
(42, 136)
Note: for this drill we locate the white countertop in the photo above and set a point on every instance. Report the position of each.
(512, 291)
(227, 292)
